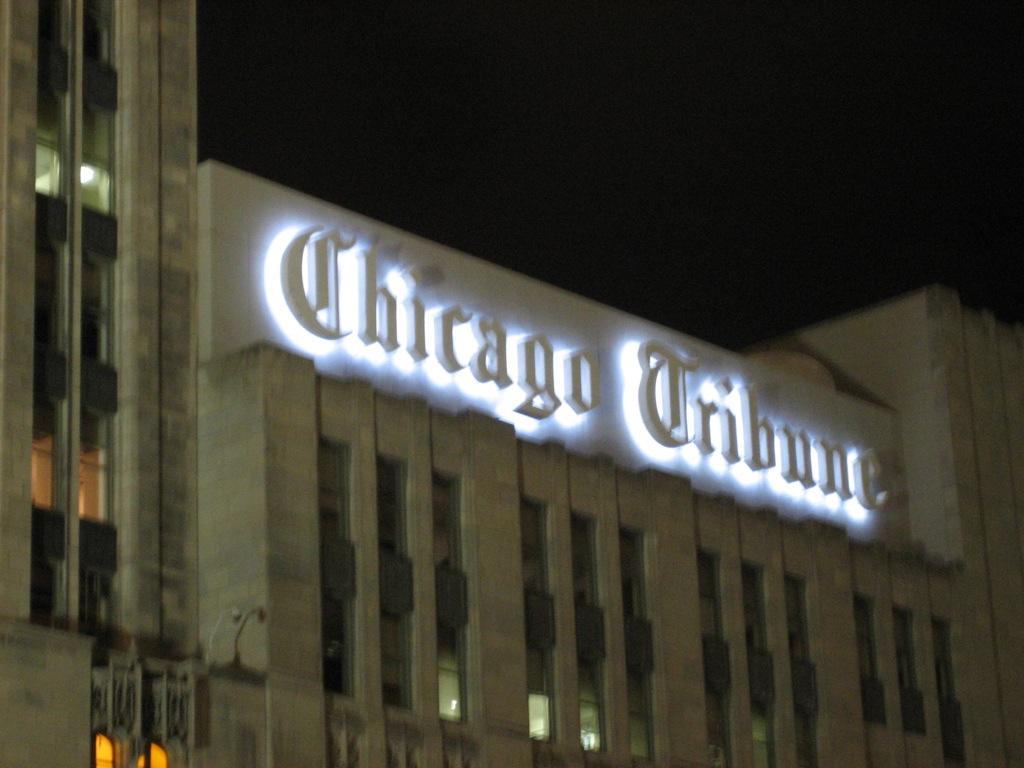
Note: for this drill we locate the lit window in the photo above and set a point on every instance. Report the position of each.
(97, 159)
(48, 135)
(103, 751)
(449, 677)
(155, 756)
(590, 705)
(539, 699)
(42, 470)
(639, 716)
(92, 468)
(764, 752)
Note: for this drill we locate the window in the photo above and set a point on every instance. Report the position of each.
(49, 132)
(796, 618)
(943, 660)
(93, 467)
(753, 607)
(534, 545)
(390, 505)
(539, 693)
(154, 756)
(97, 292)
(394, 655)
(764, 748)
(103, 751)
(450, 640)
(707, 587)
(48, 316)
(98, 27)
(445, 500)
(44, 415)
(631, 568)
(865, 631)
(904, 635)
(591, 705)
(806, 749)
(97, 159)
(51, 25)
(584, 572)
(716, 708)
(449, 673)
(336, 610)
(639, 715)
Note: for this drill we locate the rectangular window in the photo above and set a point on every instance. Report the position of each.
(717, 714)
(591, 705)
(539, 693)
(97, 34)
(336, 611)
(451, 662)
(639, 698)
(97, 159)
(806, 748)
(533, 530)
(390, 504)
(753, 607)
(864, 626)
(764, 747)
(707, 587)
(631, 567)
(94, 467)
(796, 618)
(450, 673)
(445, 501)
(943, 660)
(49, 141)
(904, 634)
(584, 571)
(394, 656)
(97, 300)
(51, 22)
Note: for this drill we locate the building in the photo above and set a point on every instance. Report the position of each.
(347, 497)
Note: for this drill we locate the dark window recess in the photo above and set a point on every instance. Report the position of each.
(716, 663)
(639, 645)
(796, 618)
(336, 628)
(53, 67)
(904, 635)
(99, 386)
(753, 606)
(952, 730)
(452, 610)
(865, 631)
(396, 597)
(943, 660)
(49, 374)
(872, 700)
(338, 568)
(805, 686)
(99, 85)
(48, 547)
(584, 571)
(447, 527)
(97, 563)
(631, 569)
(707, 587)
(394, 653)
(540, 619)
(533, 540)
(390, 505)
(760, 671)
(912, 710)
(99, 234)
(589, 632)
(49, 21)
(51, 221)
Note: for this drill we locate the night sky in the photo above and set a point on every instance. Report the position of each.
(731, 170)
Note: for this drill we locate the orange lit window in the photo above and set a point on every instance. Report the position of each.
(155, 756)
(92, 467)
(103, 752)
(42, 471)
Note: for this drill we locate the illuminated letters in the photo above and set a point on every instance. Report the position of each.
(314, 301)
(490, 362)
(582, 382)
(536, 378)
(866, 469)
(444, 338)
(664, 380)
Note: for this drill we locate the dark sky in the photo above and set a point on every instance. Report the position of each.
(732, 170)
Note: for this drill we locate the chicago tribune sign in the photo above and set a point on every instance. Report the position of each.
(330, 291)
